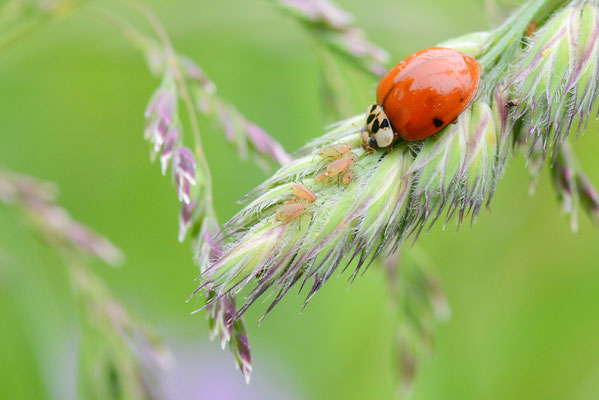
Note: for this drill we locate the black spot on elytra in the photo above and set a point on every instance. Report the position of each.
(461, 99)
(384, 124)
(370, 118)
(375, 126)
(438, 123)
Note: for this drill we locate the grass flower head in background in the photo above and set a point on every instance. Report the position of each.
(119, 356)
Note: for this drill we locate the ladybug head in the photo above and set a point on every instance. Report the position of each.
(372, 142)
(378, 128)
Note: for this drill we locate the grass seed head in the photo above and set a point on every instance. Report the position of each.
(556, 79)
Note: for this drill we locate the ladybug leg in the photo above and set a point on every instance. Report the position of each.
(367, 147)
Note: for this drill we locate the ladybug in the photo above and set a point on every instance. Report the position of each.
(420, 96)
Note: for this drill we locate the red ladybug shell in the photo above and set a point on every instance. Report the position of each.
(427, 91)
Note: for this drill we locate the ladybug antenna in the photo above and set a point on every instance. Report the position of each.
(357, 128)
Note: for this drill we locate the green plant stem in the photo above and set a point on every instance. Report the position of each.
(505, 39)
(504, 42)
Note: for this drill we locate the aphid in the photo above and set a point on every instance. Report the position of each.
(347, 177)
(420, 96)
(340, 165)
(290, 210)
(531, 29)
(301, 191)
(295, 207)
(334, 151)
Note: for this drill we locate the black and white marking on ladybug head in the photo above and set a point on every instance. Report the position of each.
(378, 126)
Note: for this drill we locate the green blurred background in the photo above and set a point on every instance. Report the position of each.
(524, 290)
